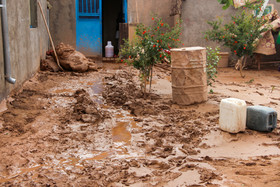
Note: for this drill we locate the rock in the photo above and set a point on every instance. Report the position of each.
(87, 118)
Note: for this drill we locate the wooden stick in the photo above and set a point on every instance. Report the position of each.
(48, 30)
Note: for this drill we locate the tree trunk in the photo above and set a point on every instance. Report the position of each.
(241, 64)
(151, 78)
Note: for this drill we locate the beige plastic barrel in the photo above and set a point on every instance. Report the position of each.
(189, 83)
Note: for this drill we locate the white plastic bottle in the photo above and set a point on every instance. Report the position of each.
(233, 114)
(109, 50)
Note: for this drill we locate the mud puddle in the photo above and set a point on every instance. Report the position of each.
(219, 144)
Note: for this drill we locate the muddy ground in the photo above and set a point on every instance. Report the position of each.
(96, 129)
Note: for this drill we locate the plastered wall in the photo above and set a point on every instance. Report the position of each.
(195, 15)
(63, 21)
(27, 45)
(141, 11)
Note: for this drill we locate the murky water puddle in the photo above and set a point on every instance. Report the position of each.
(243, 146)
(121, 134)
(101, 156)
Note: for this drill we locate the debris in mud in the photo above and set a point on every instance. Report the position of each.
(85, 109)
(122, 90)
(69, 59)
(49, 64)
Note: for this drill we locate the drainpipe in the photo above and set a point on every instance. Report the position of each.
(6, 45)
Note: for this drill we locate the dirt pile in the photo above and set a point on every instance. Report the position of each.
(85, 109)
(69, 59)
(72, 60)
(122, 90)
(49, 64)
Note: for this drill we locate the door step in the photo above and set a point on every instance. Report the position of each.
(106, 59)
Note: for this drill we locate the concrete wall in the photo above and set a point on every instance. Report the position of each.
(141, 11)
(63, 21)
(195, 15)
(27, 45)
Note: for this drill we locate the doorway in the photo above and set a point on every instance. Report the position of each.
(113, 13)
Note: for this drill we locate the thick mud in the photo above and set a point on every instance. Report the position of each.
(99, 129)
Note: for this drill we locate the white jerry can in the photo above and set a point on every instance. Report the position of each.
(109, 50)
(233, 114)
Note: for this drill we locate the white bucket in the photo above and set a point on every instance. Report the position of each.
(233, 115)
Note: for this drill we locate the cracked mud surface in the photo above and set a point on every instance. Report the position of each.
(98, 129)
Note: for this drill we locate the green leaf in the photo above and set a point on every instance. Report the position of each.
(226, 3)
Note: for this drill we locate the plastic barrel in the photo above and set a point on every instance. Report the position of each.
(189, 82)
(261, 118)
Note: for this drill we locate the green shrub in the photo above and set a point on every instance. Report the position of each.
(240, 35)
(211, 64)
(151, 46)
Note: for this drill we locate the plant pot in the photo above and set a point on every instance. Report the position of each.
(223, 62)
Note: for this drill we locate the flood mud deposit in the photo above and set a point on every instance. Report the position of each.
(99, 129)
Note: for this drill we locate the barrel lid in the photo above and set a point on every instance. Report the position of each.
(188, 49)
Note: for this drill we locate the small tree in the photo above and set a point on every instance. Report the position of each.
(151, 46)
(241, 34)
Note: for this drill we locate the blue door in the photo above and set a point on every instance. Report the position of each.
(125, 10)
(89, 27)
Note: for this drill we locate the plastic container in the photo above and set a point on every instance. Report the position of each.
(233, 115)
(109, 50)
(261, 118)
(189, 83)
